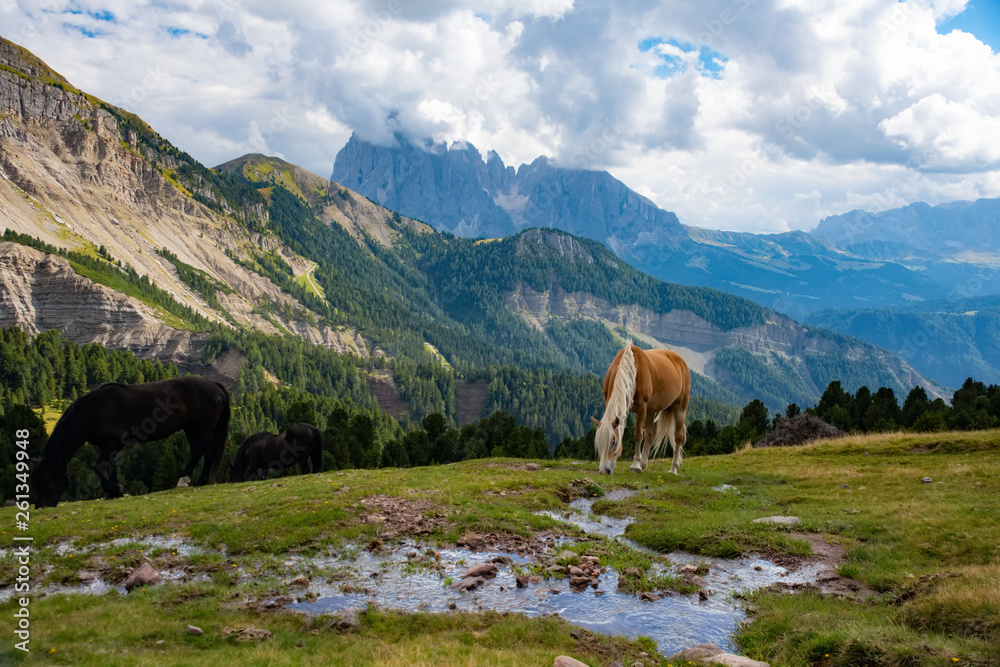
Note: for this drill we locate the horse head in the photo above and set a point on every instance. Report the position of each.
(608, 443)
(48, 482)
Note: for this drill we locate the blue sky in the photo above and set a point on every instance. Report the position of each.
(753, 115)
(980, 18)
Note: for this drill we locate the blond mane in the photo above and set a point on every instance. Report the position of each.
(624, 388)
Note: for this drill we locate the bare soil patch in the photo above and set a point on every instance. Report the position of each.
(402, 516)
(826, 557)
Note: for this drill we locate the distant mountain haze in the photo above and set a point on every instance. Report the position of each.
(855, 260)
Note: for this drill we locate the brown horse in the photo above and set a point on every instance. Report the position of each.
(656, 386)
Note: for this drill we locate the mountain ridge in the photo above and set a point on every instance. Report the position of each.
(795, 272)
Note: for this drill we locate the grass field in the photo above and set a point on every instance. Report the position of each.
(930, 551)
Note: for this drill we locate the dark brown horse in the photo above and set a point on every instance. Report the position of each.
(656, 386)
(269, 453)
(114, 415)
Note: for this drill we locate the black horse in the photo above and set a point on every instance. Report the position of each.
(299, 443)
(115, 415)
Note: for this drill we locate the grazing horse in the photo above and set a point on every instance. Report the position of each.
(656, 386)
(115, 415)
(299, 443)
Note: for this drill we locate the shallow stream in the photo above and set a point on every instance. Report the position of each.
(416, 576)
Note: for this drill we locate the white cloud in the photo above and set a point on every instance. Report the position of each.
(741, 114)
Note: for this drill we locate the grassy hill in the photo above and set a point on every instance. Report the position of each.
(923, 556)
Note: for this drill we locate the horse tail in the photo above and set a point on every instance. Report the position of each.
(219, 437)
(664, 427)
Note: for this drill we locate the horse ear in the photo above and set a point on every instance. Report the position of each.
(596, 423)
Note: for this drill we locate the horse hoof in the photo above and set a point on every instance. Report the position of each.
(183, 481)
(635, 467)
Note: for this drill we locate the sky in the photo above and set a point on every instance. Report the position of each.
(748, 115)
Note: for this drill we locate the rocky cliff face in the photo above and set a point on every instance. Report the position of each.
(74, 174)
(456, 190)
(39, 292)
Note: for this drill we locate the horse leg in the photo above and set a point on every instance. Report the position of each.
(642, 447)
(106, 468)
(640, 429)
(678, 435)
(199, 445)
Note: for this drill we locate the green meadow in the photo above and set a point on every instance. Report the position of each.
(928, 552)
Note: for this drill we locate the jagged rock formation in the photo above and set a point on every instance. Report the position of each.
(454, 189)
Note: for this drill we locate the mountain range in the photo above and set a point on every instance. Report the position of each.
(854, 260)
(114, 235)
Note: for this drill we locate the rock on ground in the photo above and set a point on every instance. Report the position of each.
(566, 661)
(696, 653)
(481, 570)
(731, 660)
(798, 430)
(780, 520)
(710, 654)
(144, 575)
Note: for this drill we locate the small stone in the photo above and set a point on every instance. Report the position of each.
(575, 571)
(299, 581)
(780, 520)
(452, 605)
(698, 581)
(144, 575)
(566, 661)
(481, 570)
(732, 660)
(534, 579)
(703, 596)
(633, 572)
(579, 582)
(345, 619)
(845, 486)
(615, 664)
(576, 634)
(638, 663)
(468, 584)
(568, 556)
(531, 466)
(689, 568)
(183, 482)
(926, 480)
(502, 560)
(522, 581)
(696, 653)
(649, 596)
(195, 630)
